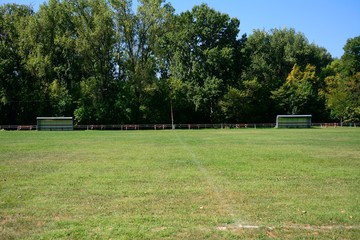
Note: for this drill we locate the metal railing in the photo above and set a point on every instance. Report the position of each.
(170, 126)
(125, 127)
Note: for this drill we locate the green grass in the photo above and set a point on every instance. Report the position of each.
(183, 184)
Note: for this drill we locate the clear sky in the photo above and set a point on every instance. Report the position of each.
(327, 23)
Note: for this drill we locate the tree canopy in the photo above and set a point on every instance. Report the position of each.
(105, 63)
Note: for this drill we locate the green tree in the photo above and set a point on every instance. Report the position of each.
(49, 53)
(204, 51)
(17, 98)
(95, 40)
(300, 94)
(59, 97)
(351, 57)
(239, 105)
(139, 36)
(343, 84)
(104, 62)
(271, 57)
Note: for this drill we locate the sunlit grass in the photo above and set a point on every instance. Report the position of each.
(189, 184)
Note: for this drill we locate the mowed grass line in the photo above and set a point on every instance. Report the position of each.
(192, 184)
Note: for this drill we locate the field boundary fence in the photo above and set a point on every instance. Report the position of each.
(169, 126)
(125, 127)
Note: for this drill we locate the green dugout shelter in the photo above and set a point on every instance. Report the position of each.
(293, 121)
(55, 123)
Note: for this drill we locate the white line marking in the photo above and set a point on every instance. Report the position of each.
(228, 207)
(295, 226)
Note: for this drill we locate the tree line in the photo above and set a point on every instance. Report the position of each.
(105, 63)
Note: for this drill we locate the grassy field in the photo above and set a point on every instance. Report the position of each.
(182, 184)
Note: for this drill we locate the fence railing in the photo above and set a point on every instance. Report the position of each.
(176, 126)
(18, 127)
(169, 126)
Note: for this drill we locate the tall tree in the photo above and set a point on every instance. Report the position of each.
(351, 57)
(95, 39)
(16, 95)
(239, 105)
(139, 38)
(204, 50)
(271, 57)
(300, 94)
(50, 57)
(343, 84)
(104, 62)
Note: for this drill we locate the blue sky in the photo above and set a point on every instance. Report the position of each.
(327, 23)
